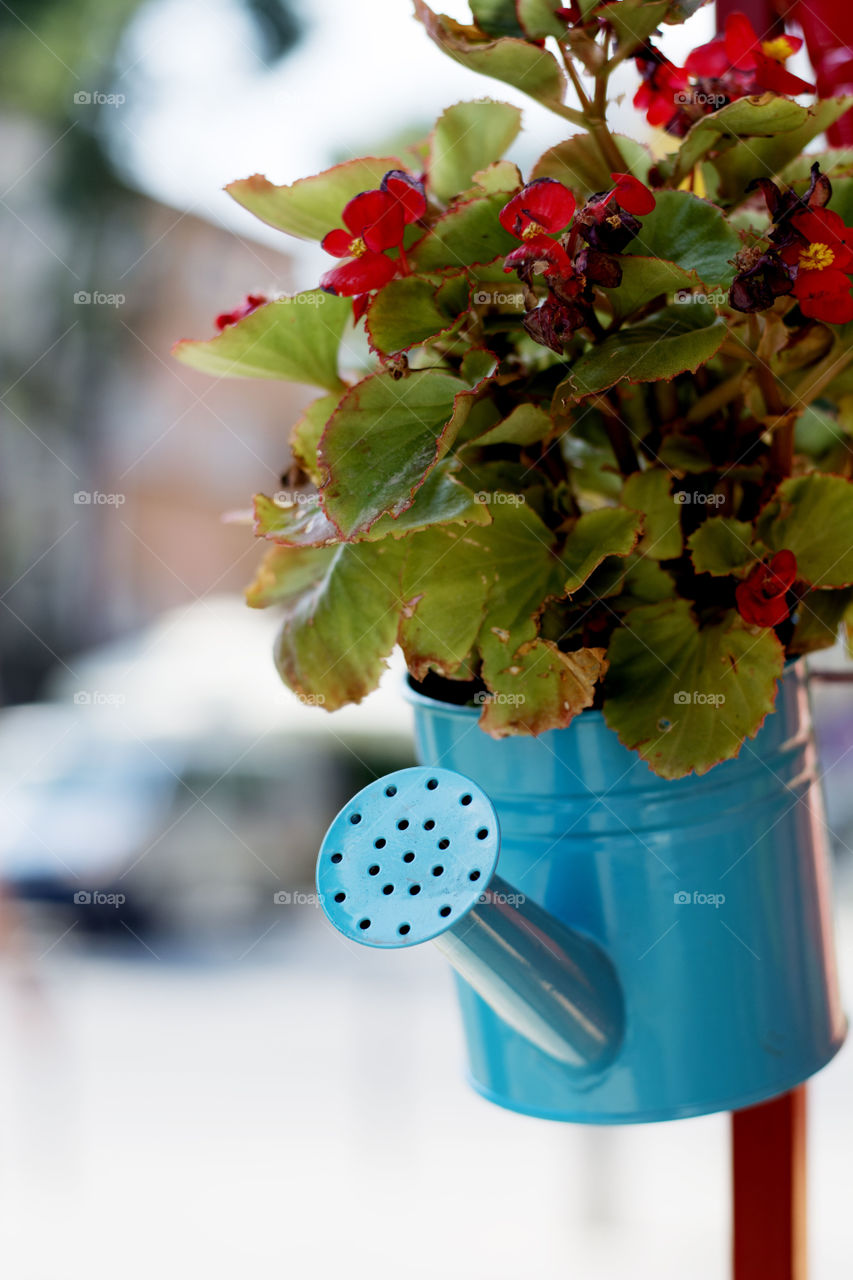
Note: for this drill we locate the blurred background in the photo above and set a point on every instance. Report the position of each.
(195, 1076)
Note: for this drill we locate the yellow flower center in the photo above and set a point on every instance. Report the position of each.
(817, 257)
(778, 49)
(532, 229)
(357, 247)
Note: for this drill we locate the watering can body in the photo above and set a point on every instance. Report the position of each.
(710, 896)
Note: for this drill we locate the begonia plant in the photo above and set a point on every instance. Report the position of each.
(596, 453)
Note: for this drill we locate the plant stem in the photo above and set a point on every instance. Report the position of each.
(619, 437)
(592, 114)
(715, 399)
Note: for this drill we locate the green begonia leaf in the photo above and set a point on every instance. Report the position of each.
(685, 698)
(813, 517)
(651, 492)
(721, 545)
(468, 137)
(296, 339)
(310, 207)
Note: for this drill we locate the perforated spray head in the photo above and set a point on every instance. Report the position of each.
(412, 858)
(408, 857)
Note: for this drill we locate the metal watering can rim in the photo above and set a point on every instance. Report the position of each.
(590, 715)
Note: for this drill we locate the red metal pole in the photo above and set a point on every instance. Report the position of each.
(769, 1179)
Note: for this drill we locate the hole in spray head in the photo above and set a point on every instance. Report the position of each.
(475, 875)
(414, 889)
(340, 897)
(364, 924)
(432, 784)
(390, 790)
(444, 844)
(387, 888)
(337, 857)
(374, 870)
(379, 844)
(466, 799)
(429, 824)
(482, 833)
(404, 929)
(355, 818)
(438, 871)
(445, 911)
(408, 857)
(402, 824)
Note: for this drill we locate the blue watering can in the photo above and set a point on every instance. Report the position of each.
(650, 949)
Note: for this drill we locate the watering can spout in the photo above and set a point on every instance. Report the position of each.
(412, 858)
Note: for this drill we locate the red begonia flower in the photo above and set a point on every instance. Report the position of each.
(362, 274)
(407, 191)
(540, 251)
(657, 95)
(710, 60)
(761, 597)
(739, 48)
(542, 208)
(770, 74)
(743, 44)
(822, 286)
(632, 195)
(253, 301)
(374, 221)
(359, 305)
